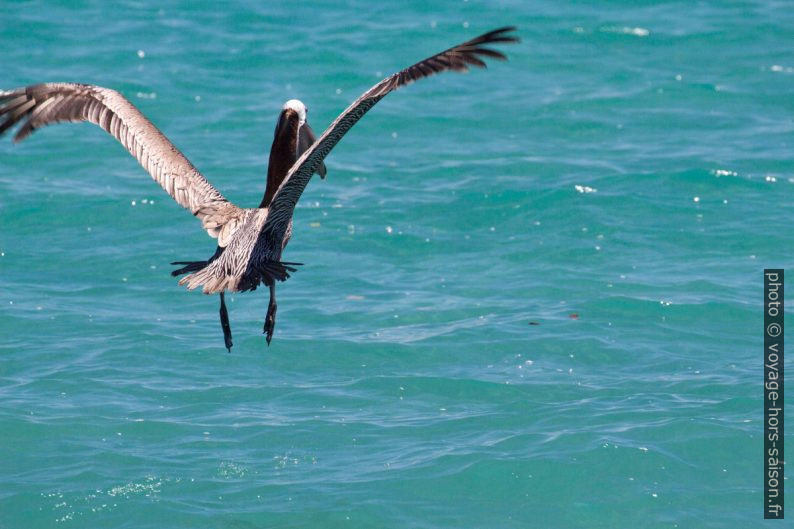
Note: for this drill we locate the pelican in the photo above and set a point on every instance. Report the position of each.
(250, 240)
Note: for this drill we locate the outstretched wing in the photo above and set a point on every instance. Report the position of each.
(38, 105)
(458, 58)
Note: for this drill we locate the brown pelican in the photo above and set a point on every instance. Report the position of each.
(292, 137)
(250, 240)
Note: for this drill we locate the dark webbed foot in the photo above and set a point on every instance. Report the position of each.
(270, 319)
(227, 329)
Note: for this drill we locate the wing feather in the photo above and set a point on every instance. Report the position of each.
(39, 105)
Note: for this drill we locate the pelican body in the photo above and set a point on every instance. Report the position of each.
(250, 241)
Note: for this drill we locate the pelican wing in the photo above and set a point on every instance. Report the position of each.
(458, 58)
(38, 105)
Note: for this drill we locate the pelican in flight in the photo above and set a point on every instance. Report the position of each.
(250, 240)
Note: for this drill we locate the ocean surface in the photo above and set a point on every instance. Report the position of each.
(531, 298)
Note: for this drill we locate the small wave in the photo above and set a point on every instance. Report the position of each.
(781, 69)
(625, 30)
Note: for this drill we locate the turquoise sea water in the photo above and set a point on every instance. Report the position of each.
(622, 181)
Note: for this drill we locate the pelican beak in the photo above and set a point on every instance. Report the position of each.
(306, 139)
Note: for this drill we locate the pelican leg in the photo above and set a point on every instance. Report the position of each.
(270, 319)
(227, 329)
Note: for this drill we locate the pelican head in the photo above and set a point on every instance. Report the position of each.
(302, 134)
(292, 137)
(299, 108)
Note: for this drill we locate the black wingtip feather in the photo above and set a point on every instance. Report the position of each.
(24, 131)
(458, 58)
(15, 106)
